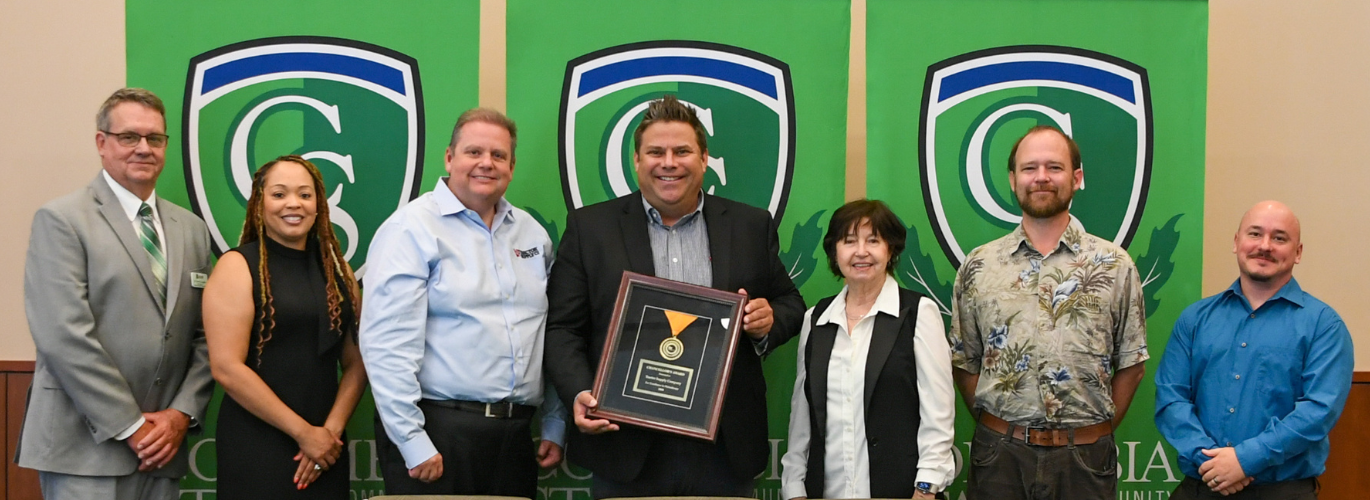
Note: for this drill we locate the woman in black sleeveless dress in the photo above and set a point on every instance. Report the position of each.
(280, 315)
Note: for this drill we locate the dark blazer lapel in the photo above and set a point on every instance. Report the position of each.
(174, 245)
(635, 239)
(720, 242)
(883, 335)
(821, 340)
(123, 229)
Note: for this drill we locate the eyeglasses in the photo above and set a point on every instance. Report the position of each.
(131, 139)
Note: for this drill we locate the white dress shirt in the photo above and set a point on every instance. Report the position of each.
(846, 459)
(130, 203)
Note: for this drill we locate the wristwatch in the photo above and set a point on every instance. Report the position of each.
(923, 487)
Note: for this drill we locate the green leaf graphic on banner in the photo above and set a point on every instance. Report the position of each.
(1156, 266)
(798, 258)
(918, 272)
(549, 225)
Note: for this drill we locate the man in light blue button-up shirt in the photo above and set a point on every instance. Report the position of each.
(452, 329)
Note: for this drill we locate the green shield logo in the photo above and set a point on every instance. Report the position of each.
(975, 106)
(354, 109)
(744, 99)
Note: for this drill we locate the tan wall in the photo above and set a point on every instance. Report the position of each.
(1287, 115)
(1289, 119)
(59, 59)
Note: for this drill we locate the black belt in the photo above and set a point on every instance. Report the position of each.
(502, 409)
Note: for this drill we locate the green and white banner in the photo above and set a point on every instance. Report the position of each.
(349, 87)
(369, 92)
(952, 86)
(769, 81)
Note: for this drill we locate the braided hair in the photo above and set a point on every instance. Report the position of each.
(330, 253)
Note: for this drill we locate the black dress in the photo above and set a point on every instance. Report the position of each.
(300, 364)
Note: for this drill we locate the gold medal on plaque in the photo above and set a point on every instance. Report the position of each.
(672, 348)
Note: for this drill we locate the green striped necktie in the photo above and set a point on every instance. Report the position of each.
(147, 233)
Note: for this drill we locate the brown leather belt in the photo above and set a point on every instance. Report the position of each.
(1047, 437)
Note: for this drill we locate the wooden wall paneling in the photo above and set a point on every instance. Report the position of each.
(4, 424)
(21, 484)
(1346, 477)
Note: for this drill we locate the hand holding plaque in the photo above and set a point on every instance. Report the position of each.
(667, 355)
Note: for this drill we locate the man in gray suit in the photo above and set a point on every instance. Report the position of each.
(112, 292)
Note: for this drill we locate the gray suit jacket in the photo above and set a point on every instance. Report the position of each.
(107, 351)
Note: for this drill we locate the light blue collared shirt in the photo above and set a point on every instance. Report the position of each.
(455, 310)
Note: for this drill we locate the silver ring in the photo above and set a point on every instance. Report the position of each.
(318, 467)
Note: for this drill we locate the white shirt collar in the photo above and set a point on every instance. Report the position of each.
(887, 302)
(129, 201)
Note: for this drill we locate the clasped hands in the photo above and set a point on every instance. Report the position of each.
(159, 438)
(1222, 472)
(320, 447)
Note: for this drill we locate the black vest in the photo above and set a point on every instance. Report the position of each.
(891, 399)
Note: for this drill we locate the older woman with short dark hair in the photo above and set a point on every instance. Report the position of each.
(871, 415)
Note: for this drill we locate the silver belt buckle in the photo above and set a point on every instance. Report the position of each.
(507, 406)
(1027, 435)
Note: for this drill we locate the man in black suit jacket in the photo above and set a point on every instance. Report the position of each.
(671, 229)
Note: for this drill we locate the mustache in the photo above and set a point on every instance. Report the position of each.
(1261, 255)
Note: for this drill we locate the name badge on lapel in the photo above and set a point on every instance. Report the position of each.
(198, 280)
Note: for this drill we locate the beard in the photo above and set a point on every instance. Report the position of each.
(1045, 209)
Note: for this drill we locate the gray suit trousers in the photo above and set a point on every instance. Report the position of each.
(139, 486)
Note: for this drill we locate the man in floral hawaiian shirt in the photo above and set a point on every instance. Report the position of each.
(1048, 336)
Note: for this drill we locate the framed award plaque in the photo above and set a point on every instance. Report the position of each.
(667, 356)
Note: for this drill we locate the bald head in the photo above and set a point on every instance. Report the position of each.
(1267, 243)
(1272, 209)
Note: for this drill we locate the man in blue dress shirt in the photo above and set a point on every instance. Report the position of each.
(452, 329)
(1255, 377)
